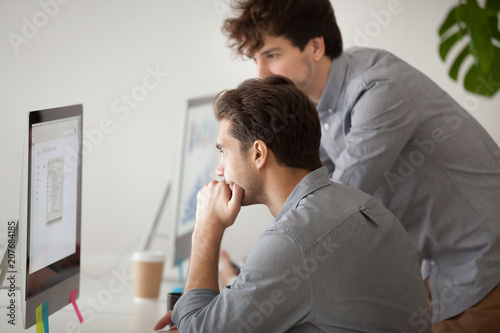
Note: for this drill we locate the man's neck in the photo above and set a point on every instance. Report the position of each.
(279, 185)
(320, 74)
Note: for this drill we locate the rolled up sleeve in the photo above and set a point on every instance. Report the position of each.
(260, 299)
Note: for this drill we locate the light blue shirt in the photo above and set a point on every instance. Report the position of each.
(335, 260)
(390, 131)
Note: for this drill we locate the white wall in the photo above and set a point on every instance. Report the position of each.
(94, 52)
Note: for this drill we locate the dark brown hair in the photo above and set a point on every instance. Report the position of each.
(299, 21)
(275, 111)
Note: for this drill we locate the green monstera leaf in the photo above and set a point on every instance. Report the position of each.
(481, 27)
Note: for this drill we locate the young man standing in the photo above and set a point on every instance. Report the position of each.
(334, 260)
(393, 133)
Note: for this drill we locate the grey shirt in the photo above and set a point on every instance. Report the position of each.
(390, 131)
(335, 260)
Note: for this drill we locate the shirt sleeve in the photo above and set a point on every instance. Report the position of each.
(271, 294)
(326, 160)
(383, 119)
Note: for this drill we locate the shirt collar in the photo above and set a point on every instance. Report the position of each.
(310, 183)
(331, 93)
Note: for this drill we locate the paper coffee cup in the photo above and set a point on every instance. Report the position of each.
(148, 271)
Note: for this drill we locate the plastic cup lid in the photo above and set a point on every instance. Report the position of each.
(148, 256)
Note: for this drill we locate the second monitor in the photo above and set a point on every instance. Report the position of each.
(196, 165)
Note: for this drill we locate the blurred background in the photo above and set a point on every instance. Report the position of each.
(133, 65)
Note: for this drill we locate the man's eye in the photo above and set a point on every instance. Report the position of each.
(271, 56)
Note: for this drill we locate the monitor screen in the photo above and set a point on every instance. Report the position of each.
(50, 212)
(196, 168)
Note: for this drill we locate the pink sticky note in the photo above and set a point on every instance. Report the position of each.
(72, 299)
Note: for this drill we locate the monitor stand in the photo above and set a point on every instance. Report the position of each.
(150, 230)
(180, 288)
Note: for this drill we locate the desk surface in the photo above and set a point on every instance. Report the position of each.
(106, 303)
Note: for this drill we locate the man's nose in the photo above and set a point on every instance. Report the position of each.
(262, 69)
(219, 171)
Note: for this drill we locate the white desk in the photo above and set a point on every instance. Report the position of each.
(106, 302)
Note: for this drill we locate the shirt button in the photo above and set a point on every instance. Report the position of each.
(326, 126)
(330, 110)
(433, 263)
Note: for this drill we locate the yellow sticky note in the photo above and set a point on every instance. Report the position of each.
(39, 319)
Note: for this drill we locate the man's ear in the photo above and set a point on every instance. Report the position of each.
(318, 47)
(260, 153)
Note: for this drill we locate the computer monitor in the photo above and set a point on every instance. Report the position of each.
(50, 210)
(196, 164)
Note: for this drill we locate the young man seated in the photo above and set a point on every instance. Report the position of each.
(334, 259)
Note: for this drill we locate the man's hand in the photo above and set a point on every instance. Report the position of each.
(164, 321)
(217, 209)
(218, 206)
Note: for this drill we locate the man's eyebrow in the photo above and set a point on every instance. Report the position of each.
(271, 50)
